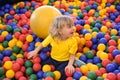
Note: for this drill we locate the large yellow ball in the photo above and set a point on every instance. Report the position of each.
(41, 20)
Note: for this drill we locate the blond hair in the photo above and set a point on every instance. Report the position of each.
(58, 23)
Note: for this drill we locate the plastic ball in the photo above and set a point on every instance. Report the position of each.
(99, 78)
(110, 68)
(36, 67)
(36, 60)
(92, 75)
(29, 38)
(18, 74)
(89, 54)
(101, 47)
(8, 65)
(19, 44)
(40, 20)
(77, 75)
(16, 66)
(111, 76)
(28, 63)
(112, 42)
(23, 78)
(67, 73)
(57, 75)
(103, 56)
(83, 78)
(69, 78)
(1, 71)
(4, 33)
(84, 69)
(33, 77)
(46, 68)
(118, 76)
(10, 73)
(117, 59)
(88, 36)
(29, 71)
(20, 61)
(49, 78)
(105, 62)
(1, 38)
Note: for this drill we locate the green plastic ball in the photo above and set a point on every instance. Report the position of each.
(92, 75)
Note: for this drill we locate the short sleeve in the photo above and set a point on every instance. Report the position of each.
(74, 46)
(47, 41)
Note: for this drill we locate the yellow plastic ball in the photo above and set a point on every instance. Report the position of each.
(83, 78)
(19, 43)
(4, 33)
(118, 47)
(42, 18)
(82, 41)
(37, 44)
(85, 49)
(88, 36)
(104, 75)
(87, 26)
(29, 38)
(57, 75)
(19, 55)
(84, 69)
(114, 31)
(10, 73)
(103, 56)
(104, 29)
(93, 67)
(46, 68)
(8, 65)
(118, 41)
(101, 47)
(1, 47)
(2, 26)
(94, 34)
(98, 53)
(11, 43)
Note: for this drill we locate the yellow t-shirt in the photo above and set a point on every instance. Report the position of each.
(61, 50)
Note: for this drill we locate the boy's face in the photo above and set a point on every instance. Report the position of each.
(67, 31)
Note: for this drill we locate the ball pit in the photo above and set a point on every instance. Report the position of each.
(24, 24)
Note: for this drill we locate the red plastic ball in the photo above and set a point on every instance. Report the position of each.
(112, 43)
(20, 61)
(111, 76)
(78, 27)
(49, 78)
(107, 37)
(88, 43)
(16, 17)
(24, 47)
(111, 48)
(6, 59)
(102, 70)
(117, 58)
(16, 67)
(24, 31)
(118, 76)
(1, 38)
(110, 56)
(36, 60)
(22, 38)
(52, 67)
(36, 67)
(23, 78)
(105, 62)
(67, 73)
(23, 69)
(98, 73)
(28, 14)
(18, 74)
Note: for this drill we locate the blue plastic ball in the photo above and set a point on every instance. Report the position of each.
(96, 60)
(1, 56)
(83, 58)
(77, 75)
(115, 52)
(110, 68)
(40, 74)
(8, 37)
(7, 52)
(43, 56)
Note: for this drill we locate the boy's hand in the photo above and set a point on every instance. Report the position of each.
(70, 69)
(32, 54)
